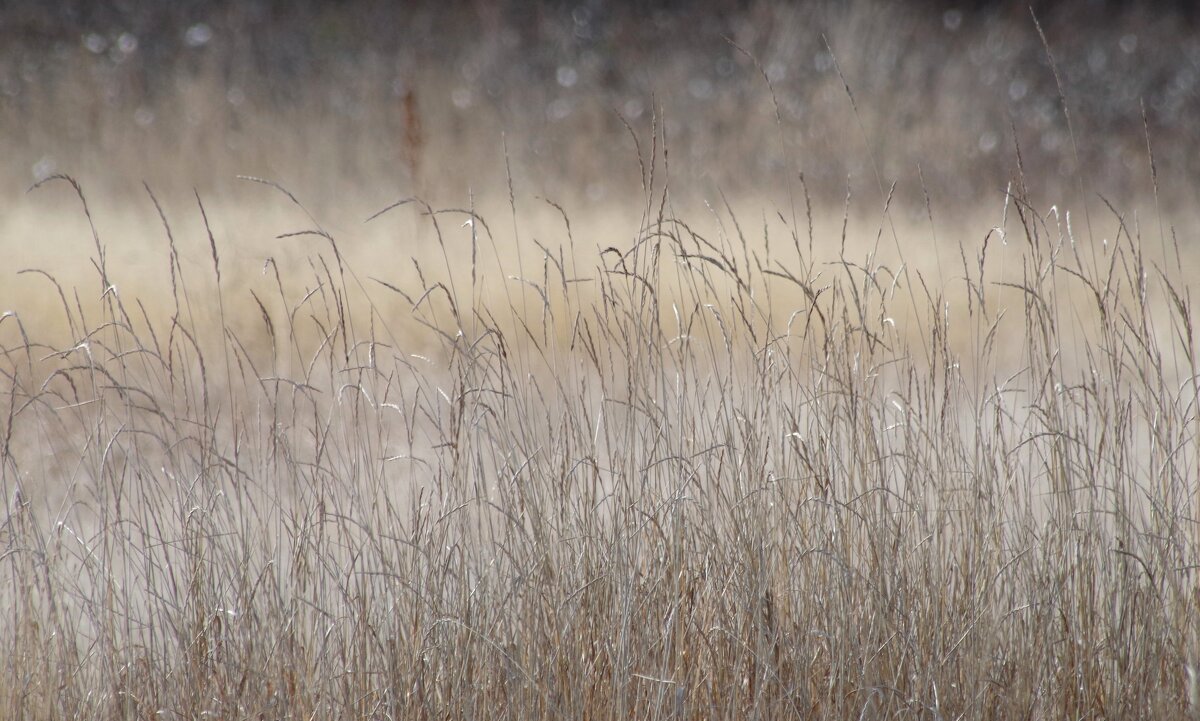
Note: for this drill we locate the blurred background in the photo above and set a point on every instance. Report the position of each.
(356, 103)
(419, 93)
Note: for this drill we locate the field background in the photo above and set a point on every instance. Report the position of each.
(354, 105)
(656, 360)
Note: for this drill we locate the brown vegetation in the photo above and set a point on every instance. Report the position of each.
(755, 460)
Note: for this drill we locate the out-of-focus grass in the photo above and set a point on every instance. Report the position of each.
(415, 97)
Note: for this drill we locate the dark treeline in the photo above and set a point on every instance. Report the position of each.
(39, 20)
(953, 86)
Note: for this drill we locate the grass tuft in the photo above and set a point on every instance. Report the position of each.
(689, 474)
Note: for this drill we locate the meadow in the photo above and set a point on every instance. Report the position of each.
(619, 415)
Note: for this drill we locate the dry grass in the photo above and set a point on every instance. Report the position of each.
(693, 476)
(643, 458)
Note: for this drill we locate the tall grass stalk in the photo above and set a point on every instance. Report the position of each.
(686, 476)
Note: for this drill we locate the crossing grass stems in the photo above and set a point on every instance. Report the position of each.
(702, 472)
